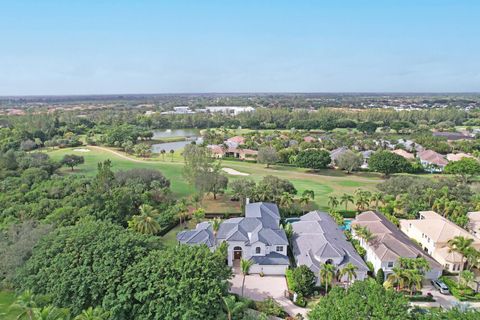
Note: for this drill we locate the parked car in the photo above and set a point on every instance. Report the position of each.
(441, 286)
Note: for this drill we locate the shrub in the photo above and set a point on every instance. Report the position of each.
(380, 276)
(303, 280)
(270, 307)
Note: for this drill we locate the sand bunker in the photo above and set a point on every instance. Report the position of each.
(234, 172)
(81, 150)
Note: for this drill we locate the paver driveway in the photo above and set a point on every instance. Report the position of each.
(259, 288)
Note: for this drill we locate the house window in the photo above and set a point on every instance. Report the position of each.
(279, 249)
(257, 250)
(390, 264)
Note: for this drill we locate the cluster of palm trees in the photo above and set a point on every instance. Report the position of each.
(408, 275)
(362, 199)
(163, 152)
(329, 272)
(287, 199)
(26, 304)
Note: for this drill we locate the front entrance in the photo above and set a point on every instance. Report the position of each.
(237, 253)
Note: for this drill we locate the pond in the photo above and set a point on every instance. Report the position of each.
(170, 133)
(188, 134)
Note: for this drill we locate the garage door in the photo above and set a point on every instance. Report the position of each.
(268, 269)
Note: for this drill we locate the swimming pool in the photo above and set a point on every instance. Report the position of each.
(347, 224)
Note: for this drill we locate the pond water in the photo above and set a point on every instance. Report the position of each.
(169, 133)
(189, 135)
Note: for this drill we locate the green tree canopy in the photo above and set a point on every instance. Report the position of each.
(313, 159)
(79, 266)
(465, 167)
(183, 282)
(387, 163)
(363, 300)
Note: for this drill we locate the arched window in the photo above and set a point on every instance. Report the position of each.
(258, 250)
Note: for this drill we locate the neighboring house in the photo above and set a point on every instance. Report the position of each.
(407, 155)
(318, 240)
(410, 145)
(257, 237)
(432, 161)
(334, 154)
(452, 136)
(474, 223)
(218, 151)
(233, 110)
(366, 156)
(309, 139)
(457, 156)
(388, 244)
(234, 142)
(433, 232)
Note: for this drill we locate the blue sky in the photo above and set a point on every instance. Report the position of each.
(142, 46)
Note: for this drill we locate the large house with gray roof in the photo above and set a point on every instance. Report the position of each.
(318, 240)
(389, 244)
(257, 237)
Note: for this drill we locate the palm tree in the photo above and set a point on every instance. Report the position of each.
(304, 201)
(362, 200)
(345, 199)
(288, 228)
(172, 153)
(397, 277)
(233, 307)
(286, 200)
(348, 270)
(473, 257)
(327, 274)
(215, 227)
(93, 314)
(245, 267)
(49, 313)
(466, 276)
(309, 193)
(414, 279)
(332, 202)
(460, 245)
(26, 303)
(363, 233)
(376, 198)
(162, 152)
(146, 222)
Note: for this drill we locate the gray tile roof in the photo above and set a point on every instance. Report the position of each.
(334, 154)
(260, 224)
(317, 238)
(272, 258)
(202, 234)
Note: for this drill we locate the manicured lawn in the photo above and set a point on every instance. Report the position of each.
(324, 182)
(6, 299)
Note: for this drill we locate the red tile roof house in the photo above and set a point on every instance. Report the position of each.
(432, 161)
(309, 139)
(237, 140)
(218, 151)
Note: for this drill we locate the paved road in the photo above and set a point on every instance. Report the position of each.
(442, 300)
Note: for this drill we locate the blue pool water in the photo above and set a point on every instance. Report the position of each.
(347, 223)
